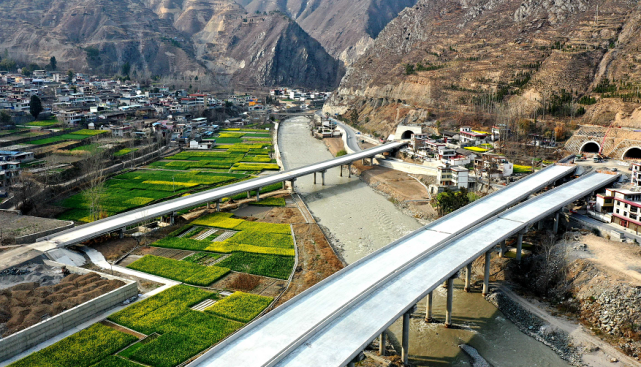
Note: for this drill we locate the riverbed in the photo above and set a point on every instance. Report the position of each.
(360, 221)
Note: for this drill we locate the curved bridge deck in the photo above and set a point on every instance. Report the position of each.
(330, 323)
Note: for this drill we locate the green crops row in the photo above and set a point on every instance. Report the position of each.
(82, 349)
(254, 167)
(183, 332)
(258, 264)
(124, 151)
(240, 306)
(270, 202)
(183, 271)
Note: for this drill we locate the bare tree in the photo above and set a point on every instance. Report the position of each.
(93, 172)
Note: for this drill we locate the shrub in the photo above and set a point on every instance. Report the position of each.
(81, 349)
(240, 306)
(267, 265)
(341, 153)
(179, 270)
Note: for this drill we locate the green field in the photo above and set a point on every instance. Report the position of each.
(235, 151)
(43, 123)
(124, 151)
(183, 271)
(240, 306)
(82, 349)
(138, 188)
(270, 202)
(267, 265)
(183, 332)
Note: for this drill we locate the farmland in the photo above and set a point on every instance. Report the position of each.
(184, 271)
(134, 189)
(240, 306)
(76, 135)
(234, 151)
(175, 332)
(266, 265)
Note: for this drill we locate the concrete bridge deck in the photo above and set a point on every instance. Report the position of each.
(347, 335)
(285, 335)
(117, 222)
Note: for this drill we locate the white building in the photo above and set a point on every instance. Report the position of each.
(636, 174)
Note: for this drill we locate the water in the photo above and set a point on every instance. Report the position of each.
(362, 221)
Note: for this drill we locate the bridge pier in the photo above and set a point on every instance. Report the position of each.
(405, 343)
(541, 224)
(429, 308)
(503, 248)
(341, 174)
(381, 343)
(121, 231)
(486, 276)
(323, 178)
(208, 205)
(519, 245)
(291, 183)
(258, 194)
(556, 222)
(468, 277)
(448, 309)
(218, 205)
(172, 219)
(314, 178)
(248, 194)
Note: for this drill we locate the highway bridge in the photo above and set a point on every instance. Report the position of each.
(332, 322)
(121, 221)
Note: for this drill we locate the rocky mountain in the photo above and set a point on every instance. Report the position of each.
(346, 28)
(471, 60)
(177, 39)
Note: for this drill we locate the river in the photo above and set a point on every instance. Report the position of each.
(360, 221)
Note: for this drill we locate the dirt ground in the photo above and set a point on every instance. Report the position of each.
(316, 260)
(14, 225)
(402, 187)
(27, 304)
(144, 285)
(268, 287)
(616, 259)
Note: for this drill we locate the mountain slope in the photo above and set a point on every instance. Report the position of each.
(508, 58)
(344, 27)
(177, 39)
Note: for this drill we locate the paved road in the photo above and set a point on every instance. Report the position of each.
(350, 299)
(351, 136)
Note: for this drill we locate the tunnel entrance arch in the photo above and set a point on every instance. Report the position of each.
(632, 153)
(407, 134)
(590, 147)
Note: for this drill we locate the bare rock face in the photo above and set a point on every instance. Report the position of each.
(468, 56)
(180, 39)
(346, 28)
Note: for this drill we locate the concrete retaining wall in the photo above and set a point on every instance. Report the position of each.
(40, 332)
(408, 167)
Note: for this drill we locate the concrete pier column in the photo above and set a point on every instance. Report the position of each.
(503, 248)
(519, 246)
(172, 219)
(556, 222)
(486, 276)
(258, 194)
(248, 194)
(349, 170)
(341, 174)
(218, 205)
(291, 183)
(121, 231)
(428, 308)
(450, 296)
(468, 277)
(323, 178)
(208, 205)
(381, 343)
(314, 178)
(405, 342)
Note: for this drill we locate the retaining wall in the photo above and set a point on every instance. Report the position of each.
(31, 238)
(44, 330)
(408, 167)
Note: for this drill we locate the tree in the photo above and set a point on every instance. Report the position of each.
(70, 76)
(53, 63)
(5, 118)
(26, 71)
(353, 117)
(449, 201)
(126, 69)
(35, 106)
(93, 170)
